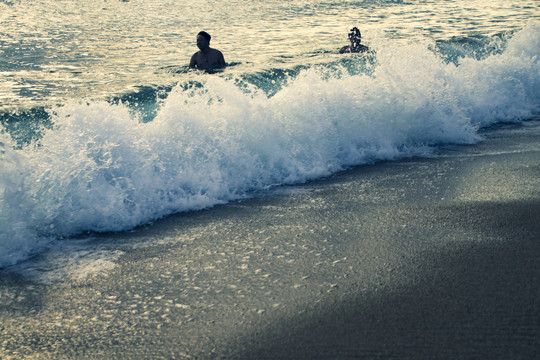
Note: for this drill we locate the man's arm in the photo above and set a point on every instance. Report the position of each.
(221, 59)
(193, 62)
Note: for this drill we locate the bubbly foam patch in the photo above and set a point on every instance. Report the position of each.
(70, 260)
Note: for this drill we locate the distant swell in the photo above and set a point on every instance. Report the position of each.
(101, 168)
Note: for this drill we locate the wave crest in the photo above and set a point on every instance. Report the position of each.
(102, 168)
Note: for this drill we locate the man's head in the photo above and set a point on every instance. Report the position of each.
(355, 36)
(203, 40)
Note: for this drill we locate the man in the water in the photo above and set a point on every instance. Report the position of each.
(355, 37)
(206, 58)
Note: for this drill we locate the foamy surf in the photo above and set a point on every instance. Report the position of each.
(100, 168)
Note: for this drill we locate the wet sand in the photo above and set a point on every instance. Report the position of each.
(475, 301)
(417, 259)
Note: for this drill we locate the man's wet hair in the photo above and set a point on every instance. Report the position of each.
(355, 33)
(205, 35)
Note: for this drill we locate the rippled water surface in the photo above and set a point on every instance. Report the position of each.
(53, 50)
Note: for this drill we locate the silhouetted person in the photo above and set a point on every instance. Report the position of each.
(206, 58)
(355, 37)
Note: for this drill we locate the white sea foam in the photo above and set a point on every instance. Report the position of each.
(101, 169)
(74, 260)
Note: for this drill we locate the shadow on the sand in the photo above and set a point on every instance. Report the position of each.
(480, 301)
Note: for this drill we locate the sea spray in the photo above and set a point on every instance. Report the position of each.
(101, 168)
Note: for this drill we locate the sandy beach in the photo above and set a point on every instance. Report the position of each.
(418, 259)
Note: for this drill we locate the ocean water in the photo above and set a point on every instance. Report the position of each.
(104, 128)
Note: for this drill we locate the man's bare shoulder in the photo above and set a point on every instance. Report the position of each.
(216, 53)
(216, 57)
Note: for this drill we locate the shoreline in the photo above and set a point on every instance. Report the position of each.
(421, 258)
(471, 294)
